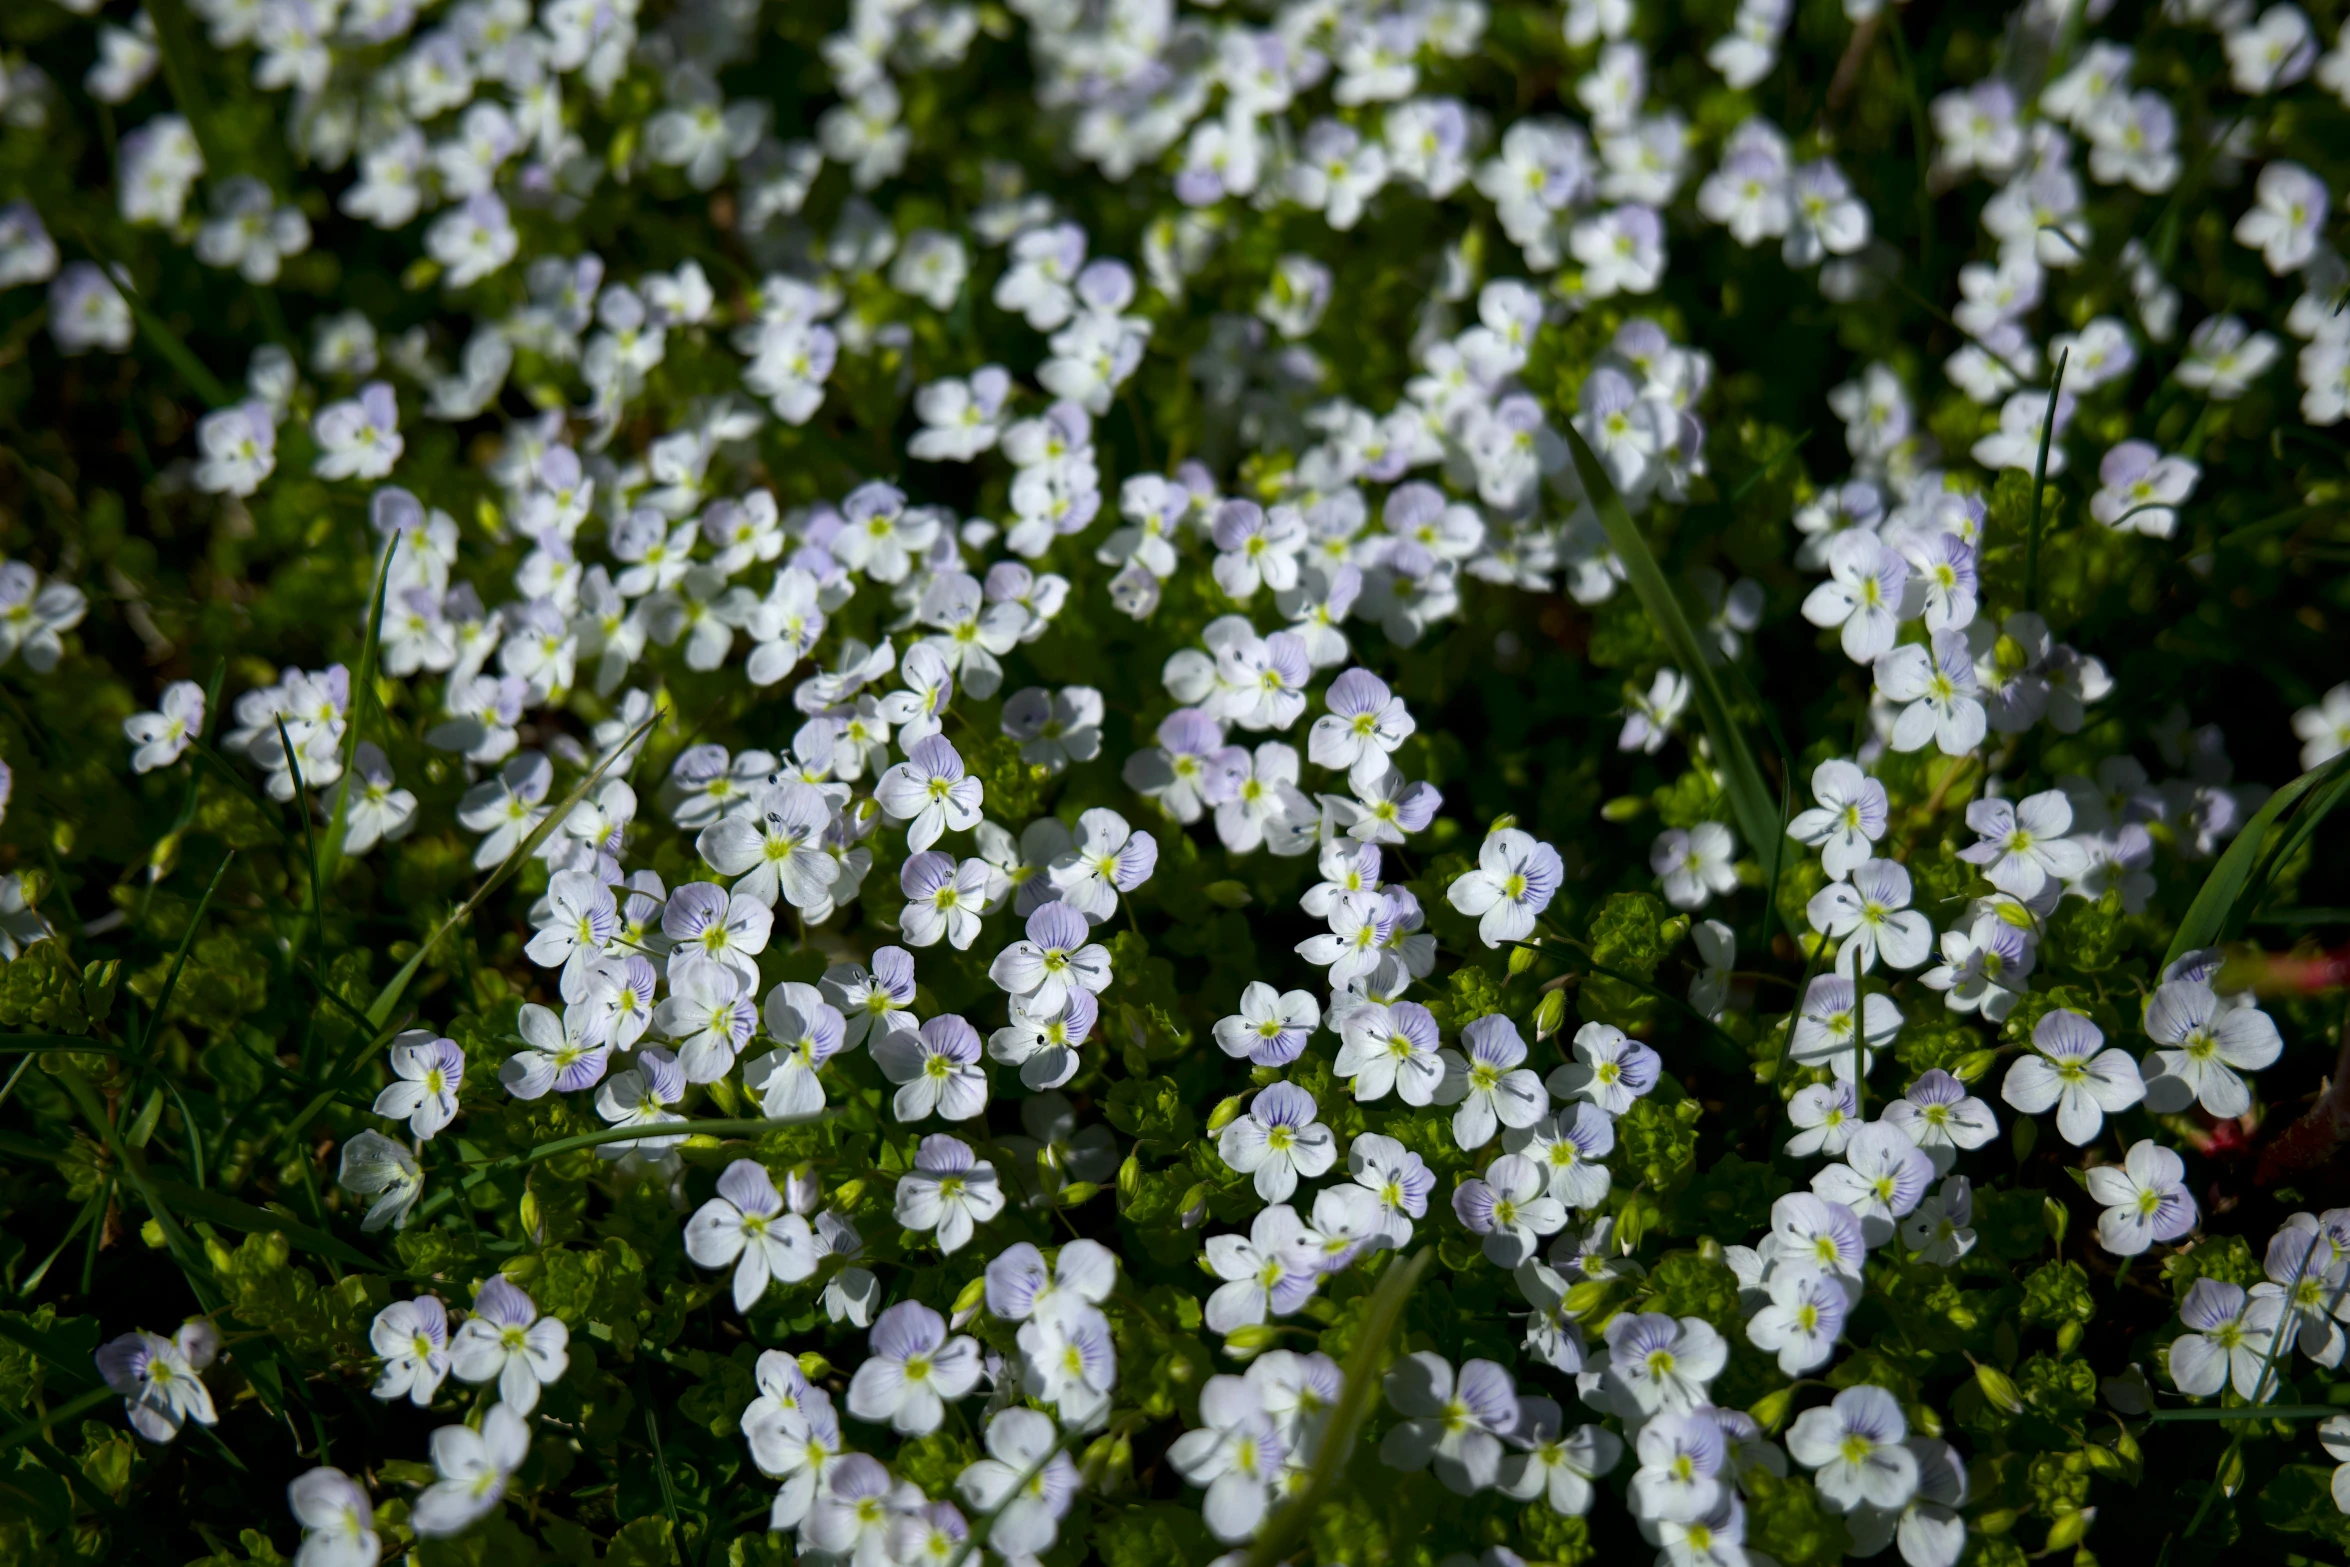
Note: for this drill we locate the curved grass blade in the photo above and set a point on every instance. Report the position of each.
(389, 996)
(1361, 1388)
(1752, 800)
(227, 1212)
(2040, 487)
(179, 959)
(362, 689)
(2229, 891)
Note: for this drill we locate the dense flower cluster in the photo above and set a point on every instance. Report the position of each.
(991, 675)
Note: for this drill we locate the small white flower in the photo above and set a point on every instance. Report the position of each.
(948, 1191)
(747, 1224)
(1856, 1446)
(162, 736)
(1488, 1082)
(1695, 865)
(2146, 1200)
(914, 1370)
(1514, 881)
(1847, 822)
(160, 1378)
(411, 1337)
(430, 1071)
(337, 1519)
(474, 1467)
(1277, 1141)
(506, 1341)
(1453, 1424)
(2228, 1340)
(2072, 1075)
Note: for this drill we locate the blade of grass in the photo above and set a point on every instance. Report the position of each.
(179, 960)
(389, 996)
(2221, 902)
(133, 1165)
(1763, 472)
(1355, 1398)
(2039, 487)
(221, 1209)
(159, 335)
(362, 691)
(179, 54)
(72, 1409)
(2241, 1412)
(1751, 799)
(668, 1489)
(309, 838)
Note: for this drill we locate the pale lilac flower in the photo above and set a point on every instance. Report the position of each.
(747, 1225)
(1983, 967)
(1568, 1148)
(1883, 1177)
(937, 1070)
(581, 920)
(1027, 1483)
(375, 1166)
(1868, 593)
(1812, 1235)
(2146, 1200)
(1660, 1365)
(506, 1341)
(2071, 1074)
(1611, 1069)
(1387, 805)
(1277, 1141)
(1514, 881)
(1365, 719)
(1649, 720)
(1941, 1117)
(1485, 1078)
(1236, 1454)
(337, 1518)
(2140, 489)
(429, 1073)
(1802, 1322)
(641, 1097)
(1397, 1180)
(1556, 1465)
(1043, 1045)
(1272, 1027)
(1848, 820)
(1053, 962)
(1107, 858)
(948, 1191)
(2200, 1045)
(807, 1031)
(2023, 846)
(1856, 1446)
(942, 899)
(358, 438)
(1937, 1232)
(858, 1507)
(1361, 924)
(1264, 1274)
(929, 791)
(1454, 1425)
(881, 999)
(2228, 1337)
(1511, 1207)
(1681, 1460)
(1937, 693)
(1824, 1115)
(164, 735)
(712, 928)
(1695, 865)
(1020, 1286)
(474, 1467)
(411, 1337)
(1871, 918)
(160, 1379)
(709, 1014)
(914, 1370)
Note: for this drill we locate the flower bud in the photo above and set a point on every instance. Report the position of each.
(1502, 823)
(1521, 959)
(968, 1298)
(1224, 1114)
(1999, 1388)
(1250, 1340)
(1550, 1014)
(1129, 1178)
(1225, 894)
(1971, 1066)
(1586, 1297)
(849, 1194)
(2068, 1529)
(2057, 1217)
(1077, 1193)
(1623, 808)
(1770, 1411)
(814, 1366)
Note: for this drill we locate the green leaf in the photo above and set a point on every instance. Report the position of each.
(362, 690)
(1752, 800)
(2229, 892)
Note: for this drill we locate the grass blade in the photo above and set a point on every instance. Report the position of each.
(389, 996)
(159, 335)
(71, 1410)
(226, 1211)
(1360, 1391)
(2228, 892)
(179, 959)
(2039, 487)
(1752, 800)
(362, 689)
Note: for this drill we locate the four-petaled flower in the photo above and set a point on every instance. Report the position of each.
(747, 1225)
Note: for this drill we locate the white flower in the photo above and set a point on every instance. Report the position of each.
(747, 1224)
(1486, 1080)
(160, 1378)
(1026, 1482)
(377, 811)
(1941, 1117)
(474, 1467)
(1272, 1027)
(930, 791)
(1266, 1273)
(1557, 1466)
(2324, 728)
(2071, 1074)
(1884, 1177)
(1454, 1425)
(1840, 1029)
(1681, 1457)
(1511, 1206)
(1869, 592)
(337, 1519)
(1870, 916)
(1984, 967)
(1107, 858)
(506, 1341)
(948, 1191)
(1236, 1454)
(1937, 692)
(1568, 1148)
(1659, 1365)
(2146, 1200)
(1695, 865)
(429, 1070)
(913, 1371)
(1824, 1115)
(1611, 1069)
(1856, 1446)
(2022, 845)
(162, 736)
(1649, 720)
(2228, 1340)
(1848, 820)
(937, 1070)
(1515, 879)
(2200, 1046)
(375, 1166)
(1803, 1320)
(1365, 719)
(358, 438)
(411, 1337)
